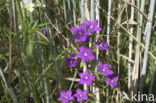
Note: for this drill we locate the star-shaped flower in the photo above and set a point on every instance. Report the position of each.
(104, 69)
(85, 54)
(71, 61)
(102, 45)
(79, 33)
(92, 26)
(113, 81)
(66, 96)
(81, 95)
(86, 78)
(29, 5)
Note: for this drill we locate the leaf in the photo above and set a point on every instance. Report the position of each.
(41, 25)
(35, 24)
(42, 35)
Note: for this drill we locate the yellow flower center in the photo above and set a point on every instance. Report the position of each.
(29, 7)
(70, 62)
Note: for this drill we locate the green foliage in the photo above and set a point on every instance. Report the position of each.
(36, 56)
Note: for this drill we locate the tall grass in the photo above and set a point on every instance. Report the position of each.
(32, 64)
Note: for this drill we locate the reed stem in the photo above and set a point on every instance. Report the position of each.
(148, 35)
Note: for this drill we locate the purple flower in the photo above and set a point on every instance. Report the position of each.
(66, 96)
(104, 69)
(102, 45)
(44, 31)
(113, 81)
(92, 26)
(86, 78)
(85, 54)
(79, 33)
(80, 95)
(71, 61)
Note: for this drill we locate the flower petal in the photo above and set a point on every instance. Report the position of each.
(82, 38)
(60, 99)
(86, 72)
(82, 48)
(92, 77)
(79, 55)
(91, 57)
(106, 65)
(97, 29)
(89, 82)
(81, 75)
(74, 29)
(63, 94)
(116, 78)
(87, 22)
(112, 85)
(84, 59)
(81, 81)
(107, 80)
(78, 90)
(79, 99)
(69, 92)
(100, 64)
(85, 97)
(82, 27)
(95, 22)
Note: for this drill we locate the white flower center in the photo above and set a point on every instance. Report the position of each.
(80, 33)
(86, 77)
(66, 97)
(101, 45)
(103, 69)
(91, 26)
(80, 95)
(85, 54)
(112, 81)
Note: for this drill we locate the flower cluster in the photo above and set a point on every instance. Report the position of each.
(67, 96)
(102, 45)
(82, 34)
(106, 71)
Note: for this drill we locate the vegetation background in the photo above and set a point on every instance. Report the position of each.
(32, 65)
